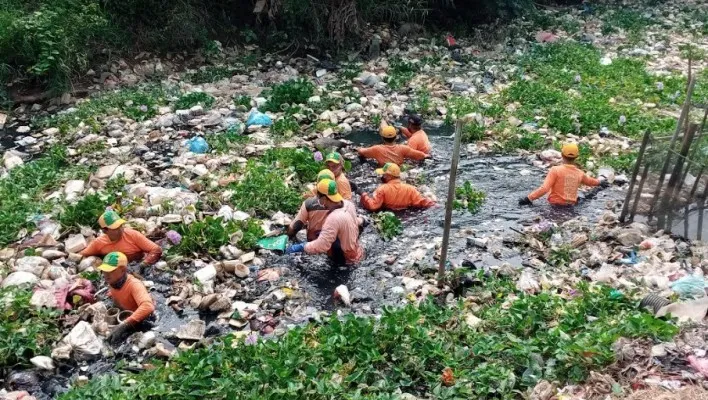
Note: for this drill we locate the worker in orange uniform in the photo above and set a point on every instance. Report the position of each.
(563, 181)
(128, 293)
(339, 237)
(389, 151)
(335, 164)
(117, 237)
(417, 138)
(394, 194)
(312, 213)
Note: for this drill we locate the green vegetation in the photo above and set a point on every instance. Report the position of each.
(632, 21)
(388, 225)
(85, 212)
(472, 132)
(189, 100)
(525, 141)
(210, 73)
(222, 142)
(400, 73)
(288, 94)
(300, 161)
(467, 197)
(208, 235)
(286, 126)
(561, 256)
(243, 101)
(25, 331)
(23, 191)
(422, 103)
(138, 103)
(557, 337)
(263, 190)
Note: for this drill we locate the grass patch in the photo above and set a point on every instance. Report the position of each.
(25, 331)
(469, 198)
(289, 93)
(531, 337)
(388, 225)
(189, 100)
(620, 163)
(210, 74)
(23, 191)
(208, 235)
(530, 141)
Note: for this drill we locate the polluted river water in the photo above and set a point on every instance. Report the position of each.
(373, 282)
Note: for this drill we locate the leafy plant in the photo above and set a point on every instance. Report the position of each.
(243, 101)
(466, 196)
(285, 126)
(299, 160)
(263, 190)
(25, 331)
(85, 212)
(210, 73)
(192, 99)
(561, 256)
(521, 339)
(422, 103)
(224, 141)
(400, 73)
(472, 132)
(290, 93)
(388, 225)
(208, 235)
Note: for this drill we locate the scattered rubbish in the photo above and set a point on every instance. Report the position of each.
(274, 243)
(342, 293)
(694, 310)
(258, 118)
(689, 287)
(81, 342)
(198, 145)
(194, 330)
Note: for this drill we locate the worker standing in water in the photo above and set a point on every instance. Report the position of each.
(128, 293)
(335, 164)
(117, 237)
(417, 138)
(389, 151)
(394, 194)
(339, 237)
(312, 212)
(563, 181)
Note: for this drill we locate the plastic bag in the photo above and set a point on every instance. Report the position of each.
(198, 145)
(274, 243)
(689, 287)
(258, 118)
(82, 341)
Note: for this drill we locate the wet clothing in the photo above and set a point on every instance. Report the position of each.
(563, 182)
(395, 195)
(341, 225)
(133, 296)
(133, 244)
(417, 140)
(394, 153)
(312, 214)
(343, 187)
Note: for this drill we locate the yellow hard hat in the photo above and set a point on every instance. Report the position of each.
(570, 150)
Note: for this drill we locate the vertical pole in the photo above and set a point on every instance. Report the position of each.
(679, 126)
(637, 164)
(450, 199)
(701, 210)
(639, 192)
(666, 206)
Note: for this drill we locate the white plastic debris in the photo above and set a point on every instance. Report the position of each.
(81, 341)
(342, 293)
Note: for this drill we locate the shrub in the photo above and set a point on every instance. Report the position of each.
(85, 212)
(224, 141)
(472, 132)
(263, 190)
(301, 161)
(286, 126)
(290, 93)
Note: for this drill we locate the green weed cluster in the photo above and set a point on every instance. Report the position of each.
(533, 337)
(222, 142)
(388, 224)
(210, 73)
(289, 93)
(467, 197)
(189, 100)
(25, 331)
(285, 126)
(400, 73)
(206, 236)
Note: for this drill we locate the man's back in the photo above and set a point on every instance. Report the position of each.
(394, 153)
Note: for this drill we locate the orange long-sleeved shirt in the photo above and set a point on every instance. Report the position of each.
(417, 140)
(340, 224)
(343, 187)
(563, 182)
(133, 296)
(313, 215)
(394, 153)
(133, 244)
(395, 195)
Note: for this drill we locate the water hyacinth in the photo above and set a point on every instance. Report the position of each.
(174, 237)
(251, 340)
(318, 156)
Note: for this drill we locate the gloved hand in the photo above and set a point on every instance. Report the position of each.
(604, 184)
(524, 201)
(119, 333)
(296, 248)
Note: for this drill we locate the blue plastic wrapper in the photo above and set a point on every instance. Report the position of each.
(689, 287)
(258, 118)
(198, 145)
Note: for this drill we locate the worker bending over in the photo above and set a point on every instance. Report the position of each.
(394, 194)
(312, 213)
(128, 293)
(563, 181)
(389, 151)
(417, 138)
(339, 237)
(117, 237)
